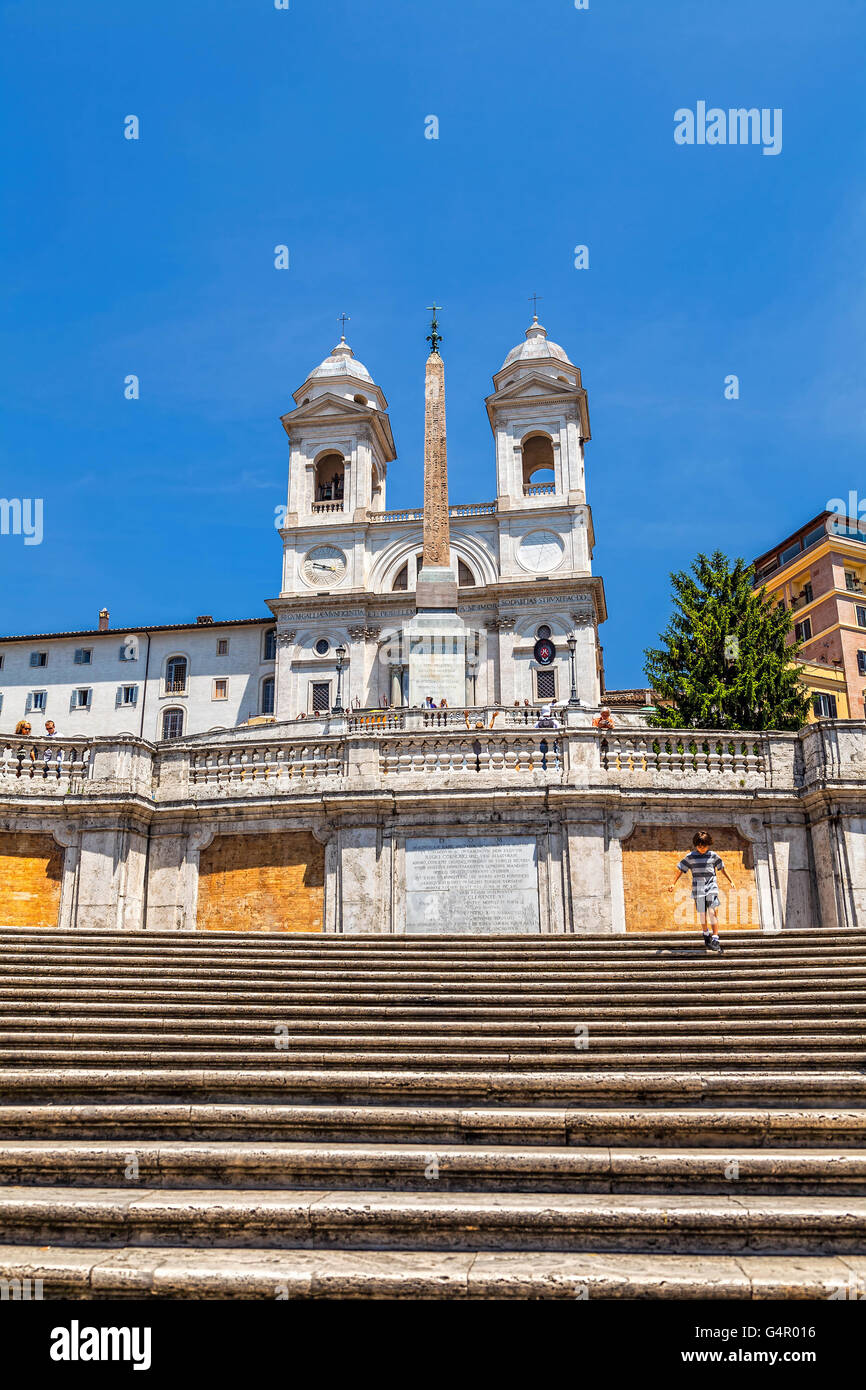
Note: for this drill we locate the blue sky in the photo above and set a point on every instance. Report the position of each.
(306, 127)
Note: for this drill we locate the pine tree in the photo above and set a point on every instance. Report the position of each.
(726, 662)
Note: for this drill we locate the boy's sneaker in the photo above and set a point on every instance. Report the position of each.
(708, 936)
(716, 945)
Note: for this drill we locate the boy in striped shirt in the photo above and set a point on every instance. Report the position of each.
(703, 864)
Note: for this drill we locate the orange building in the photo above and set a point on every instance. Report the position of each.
(819, 574)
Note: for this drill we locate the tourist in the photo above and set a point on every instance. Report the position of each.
(22, 728)
(546, 721)
(50, 728)
(480, 724)
(703, 863)
(604, 720)
(443, 704)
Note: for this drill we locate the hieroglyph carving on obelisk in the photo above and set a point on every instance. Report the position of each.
(437, 539)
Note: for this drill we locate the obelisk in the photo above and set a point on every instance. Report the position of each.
(437, 582)
(437, 636)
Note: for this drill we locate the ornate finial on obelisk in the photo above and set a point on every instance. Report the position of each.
(434, 337)
(437, 540)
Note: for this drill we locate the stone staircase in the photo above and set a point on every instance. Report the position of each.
(551, 1117)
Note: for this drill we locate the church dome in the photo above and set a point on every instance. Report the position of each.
(536, 348)
(342, 362)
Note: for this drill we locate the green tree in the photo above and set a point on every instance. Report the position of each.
(727, 661)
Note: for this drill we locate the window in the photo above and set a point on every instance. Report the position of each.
(127, 695)
(322, 647)
(220, 690)
(268, 695)
(824, 706)
(808, 593)
(803, 630)
(223, 646)
(84, 656)
(401, 581)
(175, 676)
(861, 663)
(38, 700)
(861, 615)
(545, 685)
(81, 698)
(853, 583)
(270, 644)
(543, 633)
(172, 723)
(789, 552)
(320, 696)
(465, 577)
(1, 661)
(814, 537)
(38, 658)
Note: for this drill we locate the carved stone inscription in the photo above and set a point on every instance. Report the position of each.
(472, 886)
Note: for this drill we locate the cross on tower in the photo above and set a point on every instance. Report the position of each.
(534, 298)
(434, 337)
(343, 319)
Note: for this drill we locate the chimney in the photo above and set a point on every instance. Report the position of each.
(103, 619)
(204, 620)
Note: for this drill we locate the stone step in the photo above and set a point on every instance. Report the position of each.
(632, 941)
(182, 1273)
(307, 1218)
(552, 958)
(415, 1167)
(725, 976)
(442, 998)
(268, 1055)
(822, 1032)
(407, 1016)
(688, 1128)
(710, 1087)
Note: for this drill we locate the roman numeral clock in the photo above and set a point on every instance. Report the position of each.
(323, 566)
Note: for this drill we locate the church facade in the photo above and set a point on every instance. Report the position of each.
(523, 559)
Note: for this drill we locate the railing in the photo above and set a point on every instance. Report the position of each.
(51, 764)
(417, 513)
(539, 489)
(484, 753)
(264, 766)
(327, 506)
(368, 750)
(684, 753)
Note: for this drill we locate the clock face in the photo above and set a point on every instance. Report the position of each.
(324, 566)
(541, 551)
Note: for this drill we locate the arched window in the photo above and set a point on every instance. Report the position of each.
(401, 580)
(175, 675)
(268, 695)
(330, 478)
(270, 647)
(538, 470)
(172, 723)
(465, 577)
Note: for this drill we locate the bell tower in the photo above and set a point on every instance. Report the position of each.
(540, 420)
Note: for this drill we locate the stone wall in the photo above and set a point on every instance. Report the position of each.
(650, 857)
(268, 883)
(31, 872)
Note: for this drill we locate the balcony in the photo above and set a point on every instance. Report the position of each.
(416, 514)
(539, 489)
(322, 507)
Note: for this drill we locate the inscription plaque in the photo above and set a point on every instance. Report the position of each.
(472, 886)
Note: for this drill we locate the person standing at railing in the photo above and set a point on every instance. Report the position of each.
(480, 724)
(22, 730)
(703, 864)
(604, 720)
